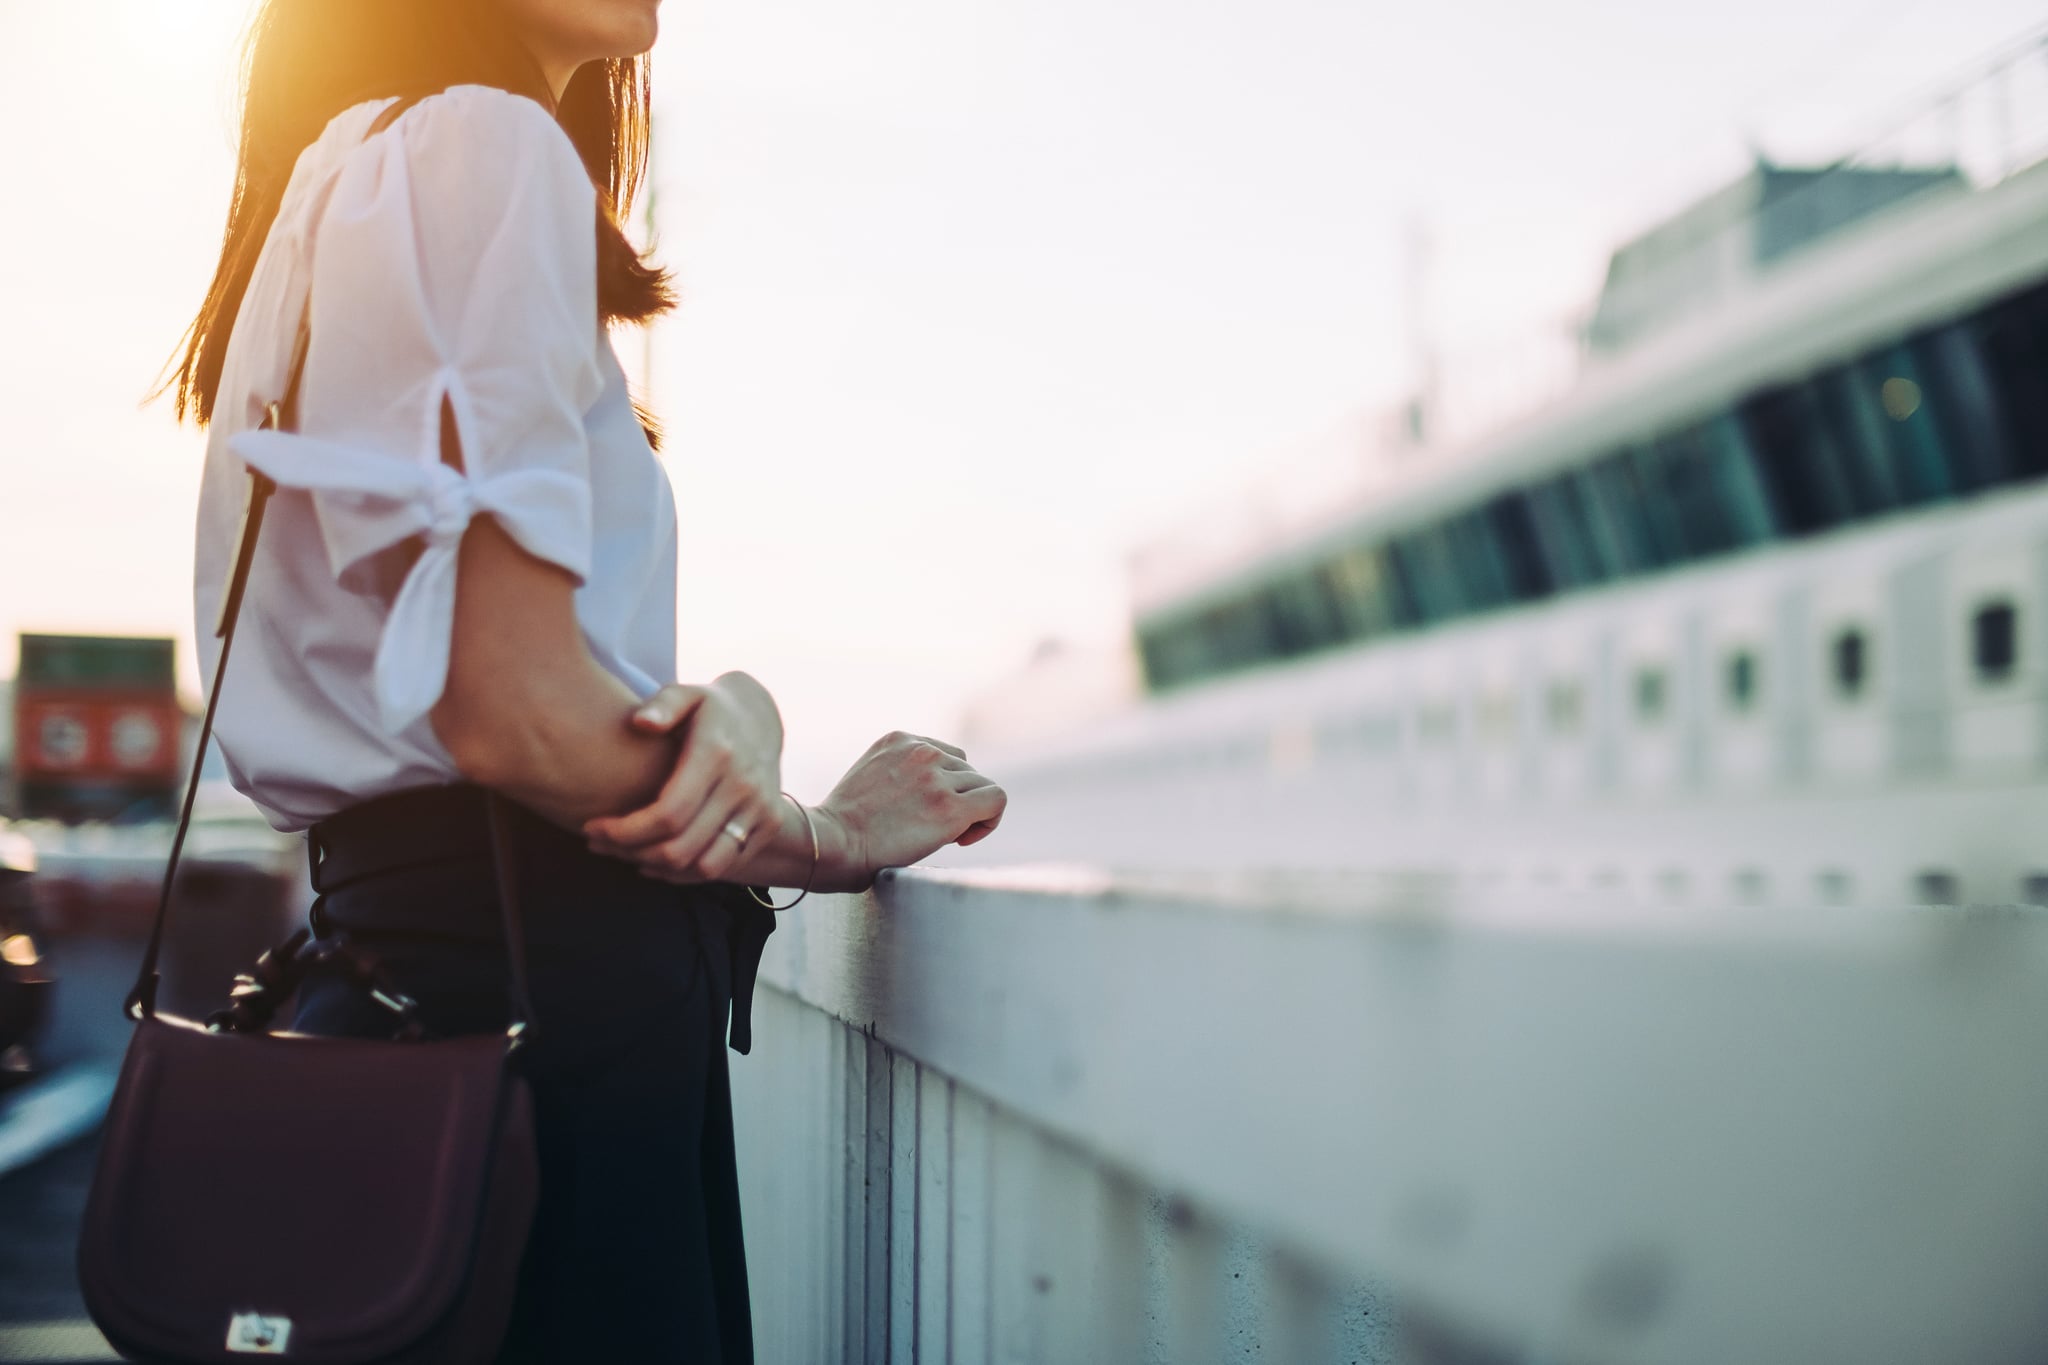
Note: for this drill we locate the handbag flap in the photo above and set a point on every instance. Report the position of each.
(231, 1183)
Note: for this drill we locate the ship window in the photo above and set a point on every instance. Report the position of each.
(1174, 652)
(1619, 498)
(2034, 889)
(1242, 632)
(1473, 555)
(1660, 481)
(1443, 578)
(1606, 537)
(1740, 487)
(1359, 588)
(1836, 887)
(1482, 543)
(1709, 491)
(1223, 646)
(1799, 456)
(1851, 662)
(1994, 640)
(1742, 680)
(1684, 495)
(1316, 617)
(1566, 707)
(1513, 524)
(1953, 399)
(1404, 600)
(1937, 887)
(1918, 461)
(1650, 694)
(2014, 338)
(1564, 532)
(1426, 577)
(1901, 398)
(1750, 885)
(1869, 481)
(1343, 624)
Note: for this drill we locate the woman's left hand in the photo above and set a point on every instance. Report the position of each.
(906, 798)
(729, 770)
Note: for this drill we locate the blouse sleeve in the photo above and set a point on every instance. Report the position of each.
(453, 259)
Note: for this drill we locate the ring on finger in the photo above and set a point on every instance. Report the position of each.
(738, 832)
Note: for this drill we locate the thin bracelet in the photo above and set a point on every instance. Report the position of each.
(759, 899)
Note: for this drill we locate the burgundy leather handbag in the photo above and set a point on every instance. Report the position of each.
(331, 1200)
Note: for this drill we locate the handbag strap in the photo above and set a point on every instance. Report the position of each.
(283, 416)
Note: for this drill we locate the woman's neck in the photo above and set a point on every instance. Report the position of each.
(555, 72)
(558, 75)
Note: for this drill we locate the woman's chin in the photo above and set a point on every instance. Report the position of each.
(639, 26)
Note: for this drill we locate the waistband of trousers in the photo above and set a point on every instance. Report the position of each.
(415, 828)
(426, 826)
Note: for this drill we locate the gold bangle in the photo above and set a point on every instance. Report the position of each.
(759, 899)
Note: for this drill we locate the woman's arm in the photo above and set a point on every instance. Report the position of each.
(527, 710)
(904, 799)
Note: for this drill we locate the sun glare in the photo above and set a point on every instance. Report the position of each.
(176, 34)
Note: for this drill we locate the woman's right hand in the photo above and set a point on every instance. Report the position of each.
(907, 797)
(728, 773)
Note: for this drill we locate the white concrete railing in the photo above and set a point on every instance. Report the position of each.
(1036, 1116)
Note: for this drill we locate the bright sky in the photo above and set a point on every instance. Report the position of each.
(978, 293)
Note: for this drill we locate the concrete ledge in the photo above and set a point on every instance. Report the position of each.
(1587, 1133)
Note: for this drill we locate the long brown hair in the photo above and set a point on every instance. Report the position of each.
(307, 60)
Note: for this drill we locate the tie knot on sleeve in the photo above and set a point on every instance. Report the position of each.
(450, 505)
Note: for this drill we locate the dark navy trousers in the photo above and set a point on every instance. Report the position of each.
(636, 1252)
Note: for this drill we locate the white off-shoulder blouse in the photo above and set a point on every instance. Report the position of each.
(449, 256)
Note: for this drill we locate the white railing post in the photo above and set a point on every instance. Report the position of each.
(1069, 1232)
(828, 1053)
(903, 1080)
(934, 1217)
(879, 1200)
(1019, 1278)
(1193, 1319)
(1307, 1309)
(973, 1230)
(853, 1201)
(1121, 1230)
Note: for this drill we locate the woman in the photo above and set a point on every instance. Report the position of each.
(467, 581)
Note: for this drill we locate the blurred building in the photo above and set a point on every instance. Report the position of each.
(97, 727)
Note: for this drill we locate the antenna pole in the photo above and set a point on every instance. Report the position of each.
(1416, 259)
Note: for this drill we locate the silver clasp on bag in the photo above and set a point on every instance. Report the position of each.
(257, 1335)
